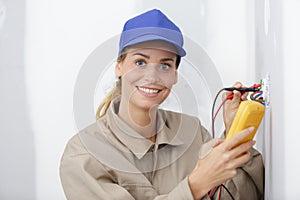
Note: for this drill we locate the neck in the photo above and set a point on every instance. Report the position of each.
(141, 120)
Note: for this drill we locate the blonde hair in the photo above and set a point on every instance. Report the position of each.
(116, 91)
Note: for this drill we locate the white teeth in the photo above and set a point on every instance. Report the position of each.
(148, 91)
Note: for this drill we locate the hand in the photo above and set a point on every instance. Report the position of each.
(220, 164)
(231, 106)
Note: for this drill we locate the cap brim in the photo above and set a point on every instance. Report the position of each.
(146, 38)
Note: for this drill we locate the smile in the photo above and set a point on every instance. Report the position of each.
(148, 90)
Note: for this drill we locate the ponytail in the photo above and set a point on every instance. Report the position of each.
(104, 106)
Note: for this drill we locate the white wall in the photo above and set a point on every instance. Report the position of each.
(291, 68)
(17, 145)
(44, 43)
(277, 52)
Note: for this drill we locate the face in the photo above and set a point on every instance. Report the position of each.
(148, 73)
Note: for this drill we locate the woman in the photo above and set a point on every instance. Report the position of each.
(136, 151)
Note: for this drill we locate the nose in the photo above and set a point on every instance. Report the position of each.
(152, 74)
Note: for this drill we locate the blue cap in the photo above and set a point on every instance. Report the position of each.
(149, 26)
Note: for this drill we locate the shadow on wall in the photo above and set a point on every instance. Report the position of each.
(17, 167)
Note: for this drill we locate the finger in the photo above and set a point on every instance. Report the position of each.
(236, 96)
(241, 149)
(227, 174)
(226, 94)
(244, 96)
(237, 138)
(239, 161)
(218, 142)
(237, 85)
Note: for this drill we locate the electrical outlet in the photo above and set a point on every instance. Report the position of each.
(266, 89)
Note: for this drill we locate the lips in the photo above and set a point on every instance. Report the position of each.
(148, 90)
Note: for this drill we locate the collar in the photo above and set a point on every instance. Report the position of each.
(136, 143)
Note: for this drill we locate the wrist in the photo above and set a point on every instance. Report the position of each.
(197, 189)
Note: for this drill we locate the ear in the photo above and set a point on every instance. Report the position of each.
(118, 69)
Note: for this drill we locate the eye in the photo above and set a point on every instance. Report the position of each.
(140, 63)
(165, 67)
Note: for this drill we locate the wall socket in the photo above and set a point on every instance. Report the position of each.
(266, 89)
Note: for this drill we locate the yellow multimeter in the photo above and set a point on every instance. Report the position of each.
(250, 113)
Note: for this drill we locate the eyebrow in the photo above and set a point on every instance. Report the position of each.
(141, 54)
(167, 59)
(148, 57)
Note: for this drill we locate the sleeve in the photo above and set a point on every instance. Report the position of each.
(84, 177)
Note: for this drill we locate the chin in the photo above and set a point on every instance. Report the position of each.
(146, 103)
